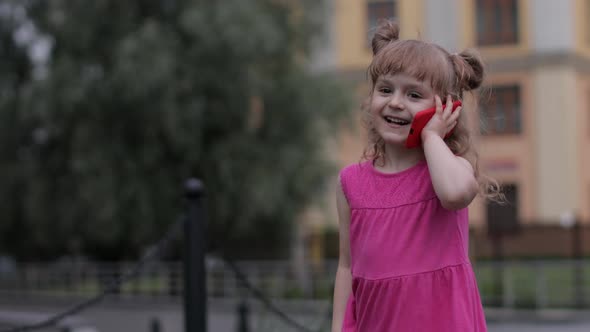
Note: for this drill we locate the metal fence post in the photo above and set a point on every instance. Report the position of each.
(541, 300)
(243, 312)
(195, 295)
(508, 294)
(155, 325)
(578, 255)
(498, 254)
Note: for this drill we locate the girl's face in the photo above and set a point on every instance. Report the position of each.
(395, 100)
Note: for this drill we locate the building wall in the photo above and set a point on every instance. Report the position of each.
(324, 50)
(558, 104)
(546, 168)
(352, 49)
(549, 160)
(551, 25)
(442, 24)
(581, 9)
(468, 30)
(583, 147)
(509, 158)
(556, 150)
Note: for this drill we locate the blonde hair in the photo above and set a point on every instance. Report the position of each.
(447, 73)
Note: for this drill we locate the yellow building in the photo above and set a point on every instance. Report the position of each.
(536, 134)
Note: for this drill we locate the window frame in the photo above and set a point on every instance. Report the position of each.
(505, 31)
(504, 117)
(373, 23)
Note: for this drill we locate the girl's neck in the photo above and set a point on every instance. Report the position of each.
(399, 158)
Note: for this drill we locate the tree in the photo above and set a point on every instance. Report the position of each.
(15, 70)
(135, 97)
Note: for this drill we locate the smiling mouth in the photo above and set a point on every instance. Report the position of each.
(397, 121)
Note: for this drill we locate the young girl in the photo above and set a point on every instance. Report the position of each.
(403, 220)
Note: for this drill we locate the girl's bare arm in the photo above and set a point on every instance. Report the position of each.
(452, 176)
(343, 284)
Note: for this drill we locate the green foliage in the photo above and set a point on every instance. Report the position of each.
(139, 95)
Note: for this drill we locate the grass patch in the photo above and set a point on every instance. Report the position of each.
(533, 284)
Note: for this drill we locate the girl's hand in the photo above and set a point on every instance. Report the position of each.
(443, 120)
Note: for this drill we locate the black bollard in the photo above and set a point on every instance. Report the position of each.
(243, 312)
(195, 295)
(155, 325)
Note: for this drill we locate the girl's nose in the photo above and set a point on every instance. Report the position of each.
(396, 101)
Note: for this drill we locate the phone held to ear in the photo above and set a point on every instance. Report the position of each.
(420, 120)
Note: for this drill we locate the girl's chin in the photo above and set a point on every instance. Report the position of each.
(394, 139)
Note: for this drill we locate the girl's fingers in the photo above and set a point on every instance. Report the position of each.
(449, 104)
(445, 111)
(451, 127)
(438, 103)
(455, 115)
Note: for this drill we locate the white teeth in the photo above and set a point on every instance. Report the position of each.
(397, 121)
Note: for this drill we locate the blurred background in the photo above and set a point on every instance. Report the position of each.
(107, 107)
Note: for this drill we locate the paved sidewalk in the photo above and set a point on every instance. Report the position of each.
(539, 327)
(549, 320)
(137, 316)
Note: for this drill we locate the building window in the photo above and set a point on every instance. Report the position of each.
(378, 10)
(501, 114)
(503, 218)
(497, 22)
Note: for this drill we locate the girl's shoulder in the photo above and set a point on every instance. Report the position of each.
(355, 172)
(353, 176)
(355, 169)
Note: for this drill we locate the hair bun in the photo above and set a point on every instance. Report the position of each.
(470, 69)
(385, 33)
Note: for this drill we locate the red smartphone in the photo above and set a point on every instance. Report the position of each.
(420, 120)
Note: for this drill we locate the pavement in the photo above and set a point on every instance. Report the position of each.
(166, 315)
(546, 320)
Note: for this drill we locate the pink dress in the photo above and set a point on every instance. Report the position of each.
(409, 262)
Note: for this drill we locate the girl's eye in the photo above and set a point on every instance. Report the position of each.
(384, 90)
(415, 95)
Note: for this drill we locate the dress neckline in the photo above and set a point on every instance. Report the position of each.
(374, 170)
